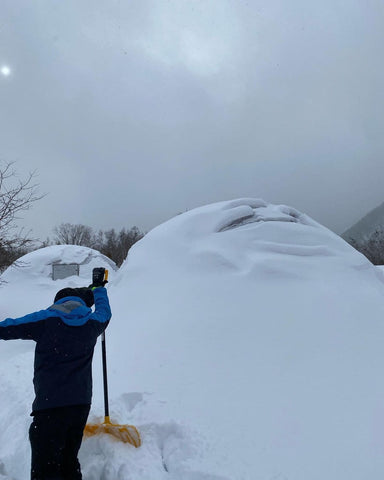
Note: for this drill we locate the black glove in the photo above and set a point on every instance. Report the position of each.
(99, 278)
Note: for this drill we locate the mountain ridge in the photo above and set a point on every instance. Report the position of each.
(366, 225)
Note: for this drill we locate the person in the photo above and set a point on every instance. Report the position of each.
(65, 336)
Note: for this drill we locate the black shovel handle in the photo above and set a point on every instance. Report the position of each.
(105, 376)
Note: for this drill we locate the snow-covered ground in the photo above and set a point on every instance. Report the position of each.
(246, 344)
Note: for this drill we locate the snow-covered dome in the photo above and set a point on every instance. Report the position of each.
(32, 275)
(38, 264)
(262, 330)
(244, 237)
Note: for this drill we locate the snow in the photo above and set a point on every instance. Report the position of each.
(245, 344)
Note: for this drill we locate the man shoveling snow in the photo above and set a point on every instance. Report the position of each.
(65, 336)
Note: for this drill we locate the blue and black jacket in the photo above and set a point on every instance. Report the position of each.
(65, 336)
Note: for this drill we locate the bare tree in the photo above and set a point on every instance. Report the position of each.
(16, 195)
(69, 234)
(114, 245)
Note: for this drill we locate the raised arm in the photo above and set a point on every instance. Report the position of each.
(102, 313)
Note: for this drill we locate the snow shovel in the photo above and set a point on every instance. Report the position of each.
(124, 433)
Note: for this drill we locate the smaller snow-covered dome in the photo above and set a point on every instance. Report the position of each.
(39, 263)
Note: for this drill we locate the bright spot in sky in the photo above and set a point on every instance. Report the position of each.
(5, 70)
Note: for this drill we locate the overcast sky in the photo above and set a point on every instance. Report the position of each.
(132, 111)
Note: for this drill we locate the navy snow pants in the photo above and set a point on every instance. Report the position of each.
(55, 435)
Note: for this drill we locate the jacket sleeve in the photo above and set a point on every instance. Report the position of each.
(28, 327)
(102, 313)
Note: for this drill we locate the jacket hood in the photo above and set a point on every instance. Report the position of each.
(72, 310)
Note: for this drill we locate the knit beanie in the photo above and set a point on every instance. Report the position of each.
(84, 293)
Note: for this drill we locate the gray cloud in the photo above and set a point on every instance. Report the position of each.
(135, 111)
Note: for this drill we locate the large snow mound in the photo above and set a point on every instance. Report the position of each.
(262, 329)
(245, 343)
(243, 237)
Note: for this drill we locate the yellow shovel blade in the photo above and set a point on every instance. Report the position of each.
(124, 433)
